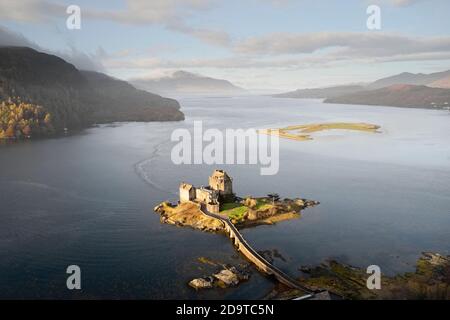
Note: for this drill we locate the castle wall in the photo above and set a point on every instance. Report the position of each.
(220, 187)
(203, 195)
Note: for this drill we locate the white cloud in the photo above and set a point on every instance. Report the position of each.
(29, 10)
(154, 11)
(171, 14)
(343, 44)
(303, 51)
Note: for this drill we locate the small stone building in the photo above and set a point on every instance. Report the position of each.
(220, 189)
(187, 192)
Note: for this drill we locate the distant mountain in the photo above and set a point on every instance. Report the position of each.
(321, 93)
(182, 82)
(74, 98)
(400, 95)
(441, 83)
(432, 79)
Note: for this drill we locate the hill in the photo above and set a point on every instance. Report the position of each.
(441, 83)
(434, 80)
(410, 78)
(74, 98)
(186, 83)
(117, 100)
(320, 93)
(410, 96)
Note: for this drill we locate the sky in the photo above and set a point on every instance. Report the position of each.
(277, 45)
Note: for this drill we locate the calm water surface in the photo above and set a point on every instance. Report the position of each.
(88, 200)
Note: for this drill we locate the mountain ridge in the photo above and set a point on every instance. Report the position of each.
(320, 93)
(183, 82)
(398, 95)
(389, 91)
(409, 78)
(76, 98)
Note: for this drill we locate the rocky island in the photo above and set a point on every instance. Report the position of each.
(225, 276)
(218, 198)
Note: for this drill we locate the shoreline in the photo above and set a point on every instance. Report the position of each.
(430, 280)
(250, 212)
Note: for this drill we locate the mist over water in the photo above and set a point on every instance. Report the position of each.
(88, 200)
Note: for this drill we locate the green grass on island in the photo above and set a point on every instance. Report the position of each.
(236, 211)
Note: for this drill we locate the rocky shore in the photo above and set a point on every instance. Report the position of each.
(187, 214)
(244, 213)
(431, 280)
(265, 211)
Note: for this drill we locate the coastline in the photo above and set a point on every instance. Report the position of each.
(190, 214)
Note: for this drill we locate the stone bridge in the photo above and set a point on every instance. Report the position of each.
(252, 255)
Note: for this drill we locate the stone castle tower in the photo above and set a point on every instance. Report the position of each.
(221, 182)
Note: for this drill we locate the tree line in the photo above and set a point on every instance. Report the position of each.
(23, 120)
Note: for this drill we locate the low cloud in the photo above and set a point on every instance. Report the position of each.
(13, 39)
(234, 62)
(82, 60)
(301, 51)
(79, 59)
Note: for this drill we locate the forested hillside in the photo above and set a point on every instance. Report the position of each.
(73, 98)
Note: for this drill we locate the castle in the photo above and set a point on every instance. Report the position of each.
(219, 190)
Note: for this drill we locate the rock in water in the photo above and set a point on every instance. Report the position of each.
(228, 277)
(201, 283)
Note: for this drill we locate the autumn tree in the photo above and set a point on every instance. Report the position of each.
(18, 118)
